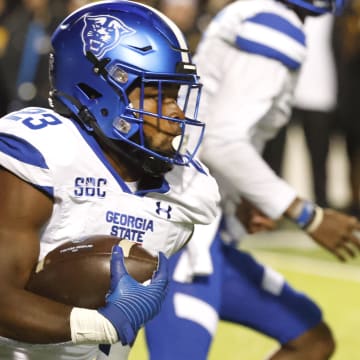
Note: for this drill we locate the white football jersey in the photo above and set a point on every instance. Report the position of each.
(248, 60)
(57, 156)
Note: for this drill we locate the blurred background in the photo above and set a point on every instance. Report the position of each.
(318, 153)
(322, 139)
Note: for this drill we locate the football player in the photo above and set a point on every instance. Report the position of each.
(249, 60)
(114, 156)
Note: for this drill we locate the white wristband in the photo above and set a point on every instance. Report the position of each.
(316, 221)
(90, 327)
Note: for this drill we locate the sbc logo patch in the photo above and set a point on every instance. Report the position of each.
(90, 187)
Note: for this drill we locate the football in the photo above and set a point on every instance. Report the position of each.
(77, 273)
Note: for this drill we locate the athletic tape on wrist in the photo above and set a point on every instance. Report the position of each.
(306, 214)
(316, 221)
(90, 327)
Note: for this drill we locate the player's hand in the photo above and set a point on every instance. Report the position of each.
(339, 234)
(253, 219)
(129, 304)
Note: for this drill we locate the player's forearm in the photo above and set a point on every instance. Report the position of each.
(30, 318)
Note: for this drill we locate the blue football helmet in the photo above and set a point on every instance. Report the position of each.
(105, 49)
(320, 6)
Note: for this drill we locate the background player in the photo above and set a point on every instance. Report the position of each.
(116, 158)
(249, 60)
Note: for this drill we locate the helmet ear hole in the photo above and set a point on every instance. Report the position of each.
(90, 92)
(104, 112)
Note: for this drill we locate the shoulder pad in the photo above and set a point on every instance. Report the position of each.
(273, 36)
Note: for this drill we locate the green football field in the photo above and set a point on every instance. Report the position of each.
(334, 285)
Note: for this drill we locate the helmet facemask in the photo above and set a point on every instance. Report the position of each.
(131, 125)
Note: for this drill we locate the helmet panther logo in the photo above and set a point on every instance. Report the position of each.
(103, 33)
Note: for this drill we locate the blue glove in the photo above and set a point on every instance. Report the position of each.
(129, 304)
